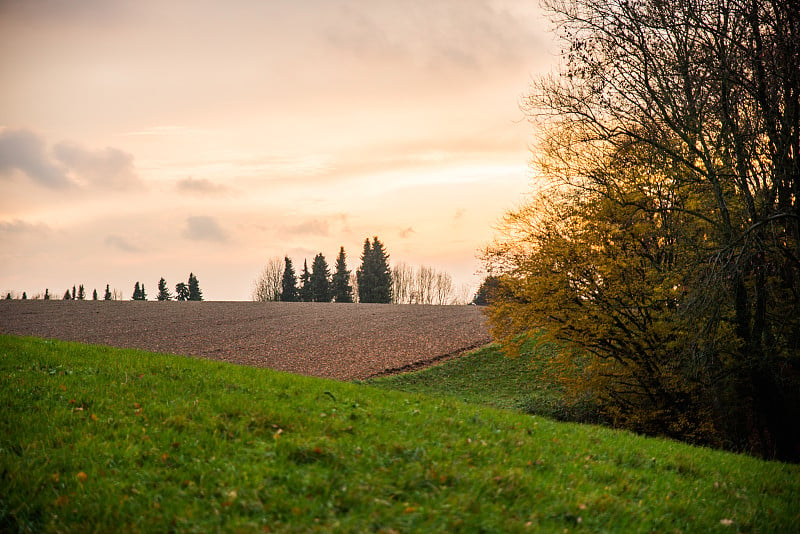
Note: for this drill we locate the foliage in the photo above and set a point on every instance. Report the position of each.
(289, 291)
(486, 291)
(163, 291)
(342, 290)
(194, 288)
(66, 295)
(663, 249)
(374, 276)
(181, 292)
(305, 283)
(81, 293)
(100, 439)
(107, 294)
(138, 292)
(320, 280)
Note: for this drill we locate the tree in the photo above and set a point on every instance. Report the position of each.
(194, 288)
(24, 296)
(138, 292)
(46, 294)
(66, 295)
(664, 251)
(320, 280)
(94, 294)
(8, 296)
(107, 295)
(289, 292)
(305, 284)
(342, 290)
(374, 276)
(268, 284)
(181, 292)
(74, 293)
(487, 291)
(163, 291)
(402, 283)
(81, 293)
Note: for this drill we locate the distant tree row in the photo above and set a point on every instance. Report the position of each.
(183, 292)
(370, 283)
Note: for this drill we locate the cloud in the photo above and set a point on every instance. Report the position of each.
(406, 232)
(24, 151)
(201, 186)
(67, 165)
(119, 242)
(107, 168)
(204, 228)
(19, 227)
(310, 227)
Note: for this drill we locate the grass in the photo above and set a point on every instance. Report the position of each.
(101, 439)
(488, 377)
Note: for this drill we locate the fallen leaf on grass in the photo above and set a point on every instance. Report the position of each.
(82, 477)
(726, 522)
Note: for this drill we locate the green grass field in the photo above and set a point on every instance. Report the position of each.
(101, 439)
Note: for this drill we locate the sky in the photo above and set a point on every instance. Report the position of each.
(142, 139)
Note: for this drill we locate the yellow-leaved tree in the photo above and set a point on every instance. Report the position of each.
(662, 250)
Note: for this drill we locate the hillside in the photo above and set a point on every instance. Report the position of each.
(105, 439)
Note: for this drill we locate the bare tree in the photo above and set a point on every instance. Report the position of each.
(443, 288)
(402, 283)
(267, 286)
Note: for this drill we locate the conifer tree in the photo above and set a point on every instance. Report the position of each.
(74, 294)
(107, 295)
(137, 291)
(374, 277)
(342, 291)
(163, 292)
(305, 283)
(24, 296)
(8, 296)
(289, 291)
(94, 295)
(46, 294)
(320, 280)
(66, 295)
(181, 292)
(81, 293)
(194, 288)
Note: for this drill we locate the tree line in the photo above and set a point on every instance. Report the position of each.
(370, 283)
(183, 292)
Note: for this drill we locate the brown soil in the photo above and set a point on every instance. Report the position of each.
(340, 341)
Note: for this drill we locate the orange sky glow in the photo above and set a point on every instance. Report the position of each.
(142, 139)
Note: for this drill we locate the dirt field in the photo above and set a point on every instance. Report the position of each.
(341, 341)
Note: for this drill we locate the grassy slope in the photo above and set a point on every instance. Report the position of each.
(105, 439)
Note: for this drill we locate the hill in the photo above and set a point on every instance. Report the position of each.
(102, 439)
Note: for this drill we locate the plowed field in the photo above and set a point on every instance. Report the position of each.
(340, 341)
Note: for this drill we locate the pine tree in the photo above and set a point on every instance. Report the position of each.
(342, 291)
(305, 283)
(137, 291)
(8, 296)
(24, 296)
(194, 288)
(74, 295)
(81, 293)
(46, 294)
(289, 291)
(94, 295)
(107, 295)
(181, 292)
(66, 295)
(374, 277)
(320, 280)
(163, 292)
